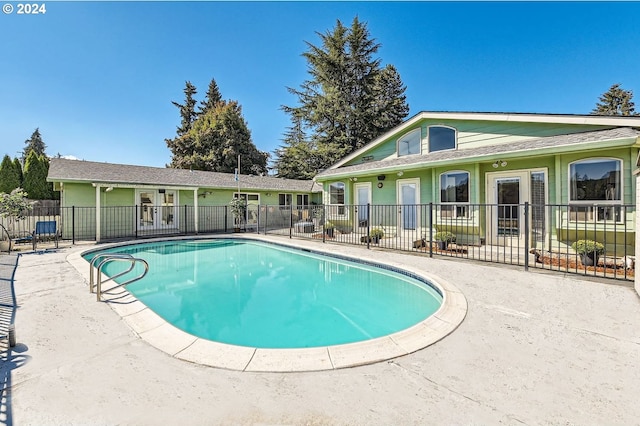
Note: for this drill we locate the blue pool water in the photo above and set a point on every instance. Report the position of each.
(256, 294)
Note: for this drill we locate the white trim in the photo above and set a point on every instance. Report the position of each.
(594, 120)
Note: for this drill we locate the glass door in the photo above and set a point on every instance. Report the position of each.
(408, 200)
(363, 197)
(157, 209)
(508, 197)
(167, 208)
(148, 210)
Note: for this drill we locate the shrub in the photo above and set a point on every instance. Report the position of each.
(445, 236)
(376, 233)
(587, 246)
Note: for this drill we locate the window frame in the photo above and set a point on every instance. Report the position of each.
(460, 209)
(336, 208)
(596, 210)
(409, 135)
(455, 137)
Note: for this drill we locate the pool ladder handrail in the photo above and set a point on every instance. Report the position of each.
(99, 256)
(120, 258)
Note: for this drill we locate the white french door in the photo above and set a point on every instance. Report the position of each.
(408, 193)
(507, 193)
(157, 209)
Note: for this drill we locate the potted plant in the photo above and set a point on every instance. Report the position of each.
(376, 234)
(238, 208)
(443, 238)
(589, 251)
(329, 229)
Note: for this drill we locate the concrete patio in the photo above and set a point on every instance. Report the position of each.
(534, 348)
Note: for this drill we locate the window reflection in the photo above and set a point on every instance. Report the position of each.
(441, 138)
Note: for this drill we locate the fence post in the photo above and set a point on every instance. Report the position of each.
(225, 219)
(186, 228)
(324, 222)
(73, 225)
(526, 235)
(290, 221)
(136, 224)
(368, 225)
(430, 229)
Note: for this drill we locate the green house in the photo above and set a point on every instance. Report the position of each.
(475, 174)
(105, 201)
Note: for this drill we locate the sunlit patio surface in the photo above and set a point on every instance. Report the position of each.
(535, 347)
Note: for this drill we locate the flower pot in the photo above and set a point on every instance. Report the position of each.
(589, 259)
(329, 232)
(442, 245)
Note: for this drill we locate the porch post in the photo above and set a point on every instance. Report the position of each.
(637, 229)
(195, 210)
(98, 208)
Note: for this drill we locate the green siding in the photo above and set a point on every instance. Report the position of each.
(473, 134)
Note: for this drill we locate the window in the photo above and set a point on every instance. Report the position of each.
(454, 194)
(284, 200)
(336, 197)
(441, 138)
(594, 183)
(409, 144)
(302, 199)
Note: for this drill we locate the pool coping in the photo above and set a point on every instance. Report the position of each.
(154, 330)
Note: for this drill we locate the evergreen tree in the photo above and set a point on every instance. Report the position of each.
(348, 99)
(9, 175)
(297, 158)
(35, 182)
(188, 109)
(212, 97)
(616, 101)
(18, 168)
(34, 143)
(214, 142)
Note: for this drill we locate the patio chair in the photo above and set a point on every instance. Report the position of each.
(46, 230)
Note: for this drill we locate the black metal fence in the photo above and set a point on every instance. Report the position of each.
(538, 236)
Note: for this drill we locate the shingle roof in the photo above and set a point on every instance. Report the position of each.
(64, 170)
(529, 146)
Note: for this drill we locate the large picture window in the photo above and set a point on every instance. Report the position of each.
(594, 183)
(454, 194)
(441, 138)
(409, 144)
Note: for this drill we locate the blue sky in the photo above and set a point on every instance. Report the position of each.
(98, 78)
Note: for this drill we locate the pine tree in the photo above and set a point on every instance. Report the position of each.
(212, 97)
(297, 158)
(188, 109)
(348, 99)
(616, 101)
(34, 143)
(9, 175)
(18, 168)
(35, 177)
(215, 140)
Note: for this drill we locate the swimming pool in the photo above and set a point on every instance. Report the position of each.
(263, 295)
(164, 336)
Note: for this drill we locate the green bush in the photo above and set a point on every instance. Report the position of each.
(587, 246)
(376, 233)
(445, 236)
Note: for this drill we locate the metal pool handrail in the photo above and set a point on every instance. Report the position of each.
(107, 255)
(133, 261)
